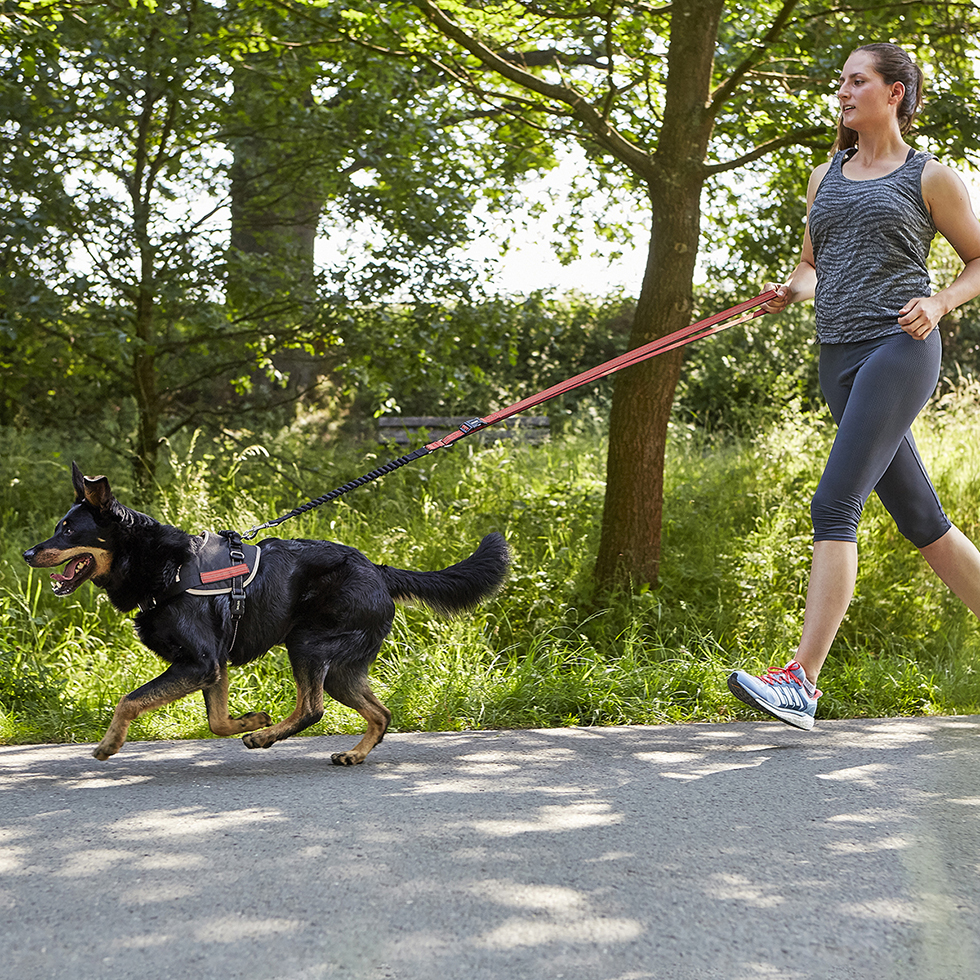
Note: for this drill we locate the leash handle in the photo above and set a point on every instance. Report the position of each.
(715, 323)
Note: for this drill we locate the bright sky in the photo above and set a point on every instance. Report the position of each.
(531, 261)
(532, 264)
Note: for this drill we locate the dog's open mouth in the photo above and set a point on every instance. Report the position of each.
(78, 570)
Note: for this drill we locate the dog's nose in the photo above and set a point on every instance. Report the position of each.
(29, 554)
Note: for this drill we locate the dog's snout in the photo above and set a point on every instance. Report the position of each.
(29, 554)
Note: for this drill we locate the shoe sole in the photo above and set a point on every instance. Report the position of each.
(795, 718)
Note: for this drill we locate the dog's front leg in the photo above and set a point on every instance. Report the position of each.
(177, 681)
(219, 718)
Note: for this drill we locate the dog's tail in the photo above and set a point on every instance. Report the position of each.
(457, 588)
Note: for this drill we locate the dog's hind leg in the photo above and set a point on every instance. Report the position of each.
(219, 720)
(350, 686)
(177, 681)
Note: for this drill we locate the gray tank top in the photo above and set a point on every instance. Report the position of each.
(870, 240)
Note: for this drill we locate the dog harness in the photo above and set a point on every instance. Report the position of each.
(223, 566)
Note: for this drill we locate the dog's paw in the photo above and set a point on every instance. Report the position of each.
(103, 751)
(258, 740)
(346, 758)
(253, 720)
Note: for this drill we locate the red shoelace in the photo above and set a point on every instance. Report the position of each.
(783, 675)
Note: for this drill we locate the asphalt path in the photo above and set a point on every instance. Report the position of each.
(731, 852)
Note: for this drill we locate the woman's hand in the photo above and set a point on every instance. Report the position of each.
(920, 316)
(780, 301)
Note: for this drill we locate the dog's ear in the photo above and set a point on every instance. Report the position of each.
(78, 482)
(95, 491)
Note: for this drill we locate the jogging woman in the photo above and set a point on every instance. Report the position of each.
(872, 213)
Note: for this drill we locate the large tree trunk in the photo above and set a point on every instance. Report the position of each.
(629, 549)
(275, 210)
(145, 387)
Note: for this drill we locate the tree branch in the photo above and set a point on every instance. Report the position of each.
(724, 91)
(797, 136)
(638, 160)
(547, 56)
(549, 14)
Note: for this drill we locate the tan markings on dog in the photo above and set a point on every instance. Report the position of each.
(378, 717)
(219, 720)
(130, 708)
(52, 557)
(309, 710)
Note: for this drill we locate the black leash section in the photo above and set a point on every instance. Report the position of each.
(388, 467)
(695, 331)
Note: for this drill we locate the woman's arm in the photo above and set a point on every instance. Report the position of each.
(803, 280)
(948, 201)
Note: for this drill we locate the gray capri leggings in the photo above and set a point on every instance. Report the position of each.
(875, 389)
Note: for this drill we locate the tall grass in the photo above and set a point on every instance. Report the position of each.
(546, 651)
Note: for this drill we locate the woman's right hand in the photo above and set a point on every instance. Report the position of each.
(781, 299)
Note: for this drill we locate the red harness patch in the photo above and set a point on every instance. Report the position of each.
(221, 574)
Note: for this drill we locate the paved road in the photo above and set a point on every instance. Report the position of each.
(730, 852)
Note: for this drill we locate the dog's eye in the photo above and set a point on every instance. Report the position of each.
(66, 528)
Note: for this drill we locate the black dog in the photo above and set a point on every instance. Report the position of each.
(329, 605)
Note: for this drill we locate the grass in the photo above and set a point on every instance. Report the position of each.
(545, 652)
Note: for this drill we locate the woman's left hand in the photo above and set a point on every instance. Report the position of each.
(920, 316)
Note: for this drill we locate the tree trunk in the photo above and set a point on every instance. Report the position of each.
(629, 549)
(144, 368)
(275, 202)
(630, 545)
(275, 210)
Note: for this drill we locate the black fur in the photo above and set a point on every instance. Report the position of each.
(327, 603)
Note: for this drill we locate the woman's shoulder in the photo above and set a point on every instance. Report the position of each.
(938, 174)
(942, 185)
(816, 179)
(818, 173)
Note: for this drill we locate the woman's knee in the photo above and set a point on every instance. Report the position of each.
(835, 516)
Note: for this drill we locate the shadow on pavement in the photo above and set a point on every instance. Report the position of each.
(736, 852)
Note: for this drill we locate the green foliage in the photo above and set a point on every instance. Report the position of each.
(162, 175)
(475, 357)
(736, 557)
(742, 379)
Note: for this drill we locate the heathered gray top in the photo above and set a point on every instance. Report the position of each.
(870, 241)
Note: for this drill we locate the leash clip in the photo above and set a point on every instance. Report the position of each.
(472, 425)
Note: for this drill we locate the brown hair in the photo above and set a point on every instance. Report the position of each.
(894, 65)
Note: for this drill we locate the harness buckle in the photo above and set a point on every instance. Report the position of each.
(237, 553)
(237, 600)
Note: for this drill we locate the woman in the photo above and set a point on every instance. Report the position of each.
(872, 213)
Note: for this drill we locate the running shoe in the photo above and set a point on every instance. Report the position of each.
(783, 692)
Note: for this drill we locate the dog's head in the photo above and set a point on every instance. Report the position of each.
(83, 539)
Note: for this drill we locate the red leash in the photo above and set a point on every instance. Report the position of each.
(686, 335)
(731, 317)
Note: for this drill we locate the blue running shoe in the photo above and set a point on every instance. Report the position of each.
(783, 692)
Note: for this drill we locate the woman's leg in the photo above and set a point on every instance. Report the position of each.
(955, 559)
(874, 391)
(832, 577)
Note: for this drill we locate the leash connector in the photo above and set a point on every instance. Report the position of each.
(472, 425)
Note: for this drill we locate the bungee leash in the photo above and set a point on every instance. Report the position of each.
(740, 313)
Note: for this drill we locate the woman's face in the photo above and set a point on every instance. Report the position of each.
(866, 99)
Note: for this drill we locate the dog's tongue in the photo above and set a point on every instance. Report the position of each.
(70, 570)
